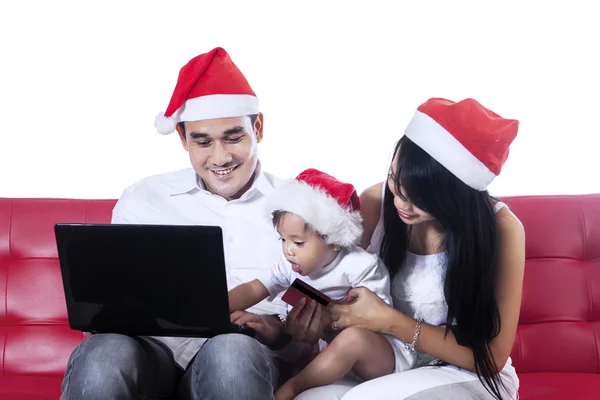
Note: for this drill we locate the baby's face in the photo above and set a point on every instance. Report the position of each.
(302, 246)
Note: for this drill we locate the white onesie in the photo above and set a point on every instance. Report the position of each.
(350, 269)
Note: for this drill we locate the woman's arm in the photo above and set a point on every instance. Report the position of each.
(368, 311)
(432, 339)
(246, 295)
(370, 202)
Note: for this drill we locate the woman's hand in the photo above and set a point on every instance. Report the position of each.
(305, 322)
(363, 309)
(267, 328)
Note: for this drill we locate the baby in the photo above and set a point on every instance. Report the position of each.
(319, 223)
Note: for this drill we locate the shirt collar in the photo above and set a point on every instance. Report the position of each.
(190, 182)
(186, 183)
(261, 184)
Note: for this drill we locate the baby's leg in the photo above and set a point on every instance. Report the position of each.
(368, 353)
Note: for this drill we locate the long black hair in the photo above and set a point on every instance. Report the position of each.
(470, 240)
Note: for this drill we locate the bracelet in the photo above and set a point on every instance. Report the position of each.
(411, 347)
(281, 319)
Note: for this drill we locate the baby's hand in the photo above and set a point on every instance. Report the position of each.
(267, 327)
(241, 317)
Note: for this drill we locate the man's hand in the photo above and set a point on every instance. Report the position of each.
(267, 327)
(306, 324)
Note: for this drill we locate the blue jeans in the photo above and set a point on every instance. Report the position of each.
(118, 367)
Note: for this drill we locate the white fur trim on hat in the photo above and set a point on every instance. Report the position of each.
(322, 212)
(208, 107)
(426, 133)
(218, 106)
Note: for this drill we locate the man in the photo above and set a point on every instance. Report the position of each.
(216, 114)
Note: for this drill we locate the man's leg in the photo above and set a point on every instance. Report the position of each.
(230, 367)
(119, 367)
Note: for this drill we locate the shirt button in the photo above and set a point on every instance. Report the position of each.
(230, 239)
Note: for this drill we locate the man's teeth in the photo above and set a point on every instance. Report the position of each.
(223, 171)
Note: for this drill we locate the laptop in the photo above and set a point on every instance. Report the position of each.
(145, 280)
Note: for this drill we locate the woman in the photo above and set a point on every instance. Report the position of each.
(456, 256)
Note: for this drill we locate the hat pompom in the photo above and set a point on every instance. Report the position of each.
(164, 125)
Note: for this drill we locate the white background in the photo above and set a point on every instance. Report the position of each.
(81, 82)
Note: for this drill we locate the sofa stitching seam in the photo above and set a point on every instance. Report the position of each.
(4, 352)
(591, 310)
(520, 349)
(10, 221)
(585, 244)
(589, 281)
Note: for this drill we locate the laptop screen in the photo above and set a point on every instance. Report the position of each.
(144, 279)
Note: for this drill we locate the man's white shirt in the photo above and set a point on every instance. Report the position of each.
(251, 244)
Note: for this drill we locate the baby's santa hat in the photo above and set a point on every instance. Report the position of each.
(330, 207)
(209, 86)
(468, 139)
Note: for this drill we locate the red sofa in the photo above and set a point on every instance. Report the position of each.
(557, 349)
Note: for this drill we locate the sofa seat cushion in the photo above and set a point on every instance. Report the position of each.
(30, 387)
(559, 386)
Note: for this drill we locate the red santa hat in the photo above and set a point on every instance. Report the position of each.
(330, 207)
(468, 139)
(209, 86)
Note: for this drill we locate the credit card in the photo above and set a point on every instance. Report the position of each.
(300, 289)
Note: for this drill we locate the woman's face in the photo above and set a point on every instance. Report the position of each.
(408, 213)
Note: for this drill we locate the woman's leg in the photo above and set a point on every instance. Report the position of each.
(368, 354)
(429, 383)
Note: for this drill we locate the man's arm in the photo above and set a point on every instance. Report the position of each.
(122, 211)
(247, 295)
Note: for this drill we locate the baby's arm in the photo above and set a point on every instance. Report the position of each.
(247, 295)
(251, 293)
(376, 278)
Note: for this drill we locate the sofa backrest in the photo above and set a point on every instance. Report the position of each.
(34, 331)
(559, 329)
